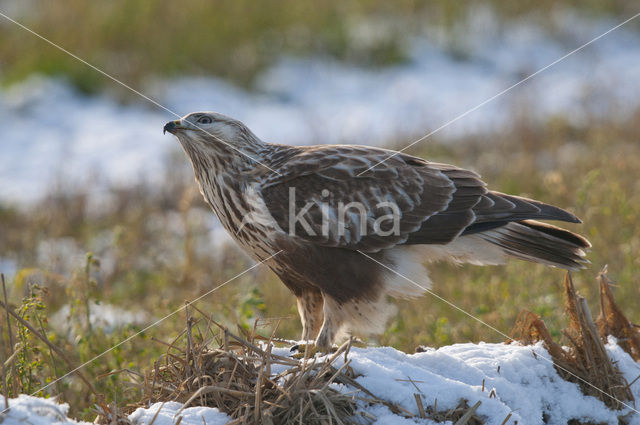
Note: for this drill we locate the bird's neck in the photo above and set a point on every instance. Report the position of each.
(212, 168)
(239, 161)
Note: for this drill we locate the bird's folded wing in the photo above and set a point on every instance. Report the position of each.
(321, 196)
(330, 196)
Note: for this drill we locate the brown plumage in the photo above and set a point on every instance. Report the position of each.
(334, 219)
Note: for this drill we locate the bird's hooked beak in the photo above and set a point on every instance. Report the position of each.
(173, 126)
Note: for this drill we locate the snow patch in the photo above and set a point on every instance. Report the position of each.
(35, 411)
(168, 415)
(525, 385)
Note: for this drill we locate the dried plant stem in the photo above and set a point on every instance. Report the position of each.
(586, 362)
(11, 342)
(469, 413)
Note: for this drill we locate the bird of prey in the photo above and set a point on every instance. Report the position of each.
(346, 226)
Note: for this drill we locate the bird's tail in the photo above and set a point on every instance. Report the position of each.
(540, 242)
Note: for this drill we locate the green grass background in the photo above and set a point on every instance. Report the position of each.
(235, 39)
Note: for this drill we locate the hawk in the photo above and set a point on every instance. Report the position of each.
(344, 226)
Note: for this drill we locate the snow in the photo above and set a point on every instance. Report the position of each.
(52, 133)
(169, 415)
(39, 411)
(525, 385)
(518, 380)
(35, 411)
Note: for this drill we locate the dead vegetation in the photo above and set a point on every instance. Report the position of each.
(585, 362)
(241, 375)
(244, 378)
(459, 415)
(612, 321)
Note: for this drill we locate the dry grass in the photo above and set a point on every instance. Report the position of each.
(238, 373)
(208, 365)
(236, 378)
(461, 414)
(612, 321)
(586, 361)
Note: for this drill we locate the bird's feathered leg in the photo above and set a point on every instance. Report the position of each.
(333, 321)
(310, 309)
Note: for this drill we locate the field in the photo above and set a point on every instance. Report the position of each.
(147, 250)
(90, 265)
(238, 39)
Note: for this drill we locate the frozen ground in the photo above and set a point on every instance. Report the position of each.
(524, 384)
(51, 133)
(516, 382)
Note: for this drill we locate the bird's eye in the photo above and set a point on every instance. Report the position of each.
(204, 120)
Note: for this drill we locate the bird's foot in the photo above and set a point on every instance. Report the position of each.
(309, 350)
(358, 343)
(304, 350)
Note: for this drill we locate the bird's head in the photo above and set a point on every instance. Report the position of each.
(214, 133)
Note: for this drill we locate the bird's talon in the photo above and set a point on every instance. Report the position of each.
(305, 350)
(310, 350)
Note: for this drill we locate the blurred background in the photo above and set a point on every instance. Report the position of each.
(102, 229)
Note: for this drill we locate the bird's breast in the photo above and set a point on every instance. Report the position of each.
(243, 213)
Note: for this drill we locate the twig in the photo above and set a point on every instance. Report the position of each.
(5, 353)
(633, 382)
(189, 340)
(258, 398)
(506, 419)
(412, 382)
(115, 372)
(5, 363)
(418, 398)
(4, 293)
(254, 347)
(14, 383)
(53, 359)
(212, 389)
(468, 414)
(157, 413)
(154, 339)
(13, 356)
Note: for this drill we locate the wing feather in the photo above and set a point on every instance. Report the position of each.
(329, 177)
(436, 202)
